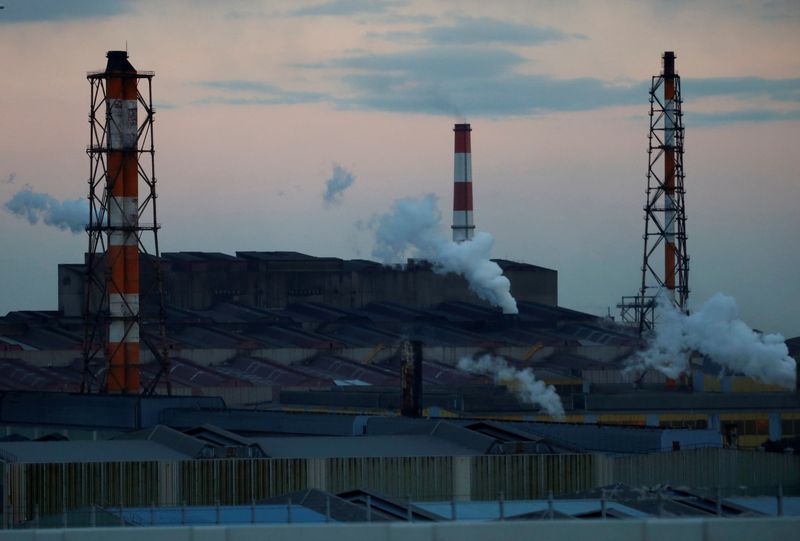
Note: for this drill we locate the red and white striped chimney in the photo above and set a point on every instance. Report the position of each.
(463, 226)
(122, 253)
(669, 173)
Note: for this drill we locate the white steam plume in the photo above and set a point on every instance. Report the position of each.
(414, 224)
(340, 180)
(34, 206)
(522, 382)
(716, 331)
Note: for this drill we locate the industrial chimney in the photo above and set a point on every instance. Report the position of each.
(122, 253)
(121, 227)
(463, 226)
(669, 174)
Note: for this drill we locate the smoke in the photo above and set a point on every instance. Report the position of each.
(522, 382)
(340, 180)
(414, 225)
(716, 331)
(10, 179)
(34, 206)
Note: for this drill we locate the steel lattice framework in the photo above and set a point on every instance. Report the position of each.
(665, 263)
(144, 312)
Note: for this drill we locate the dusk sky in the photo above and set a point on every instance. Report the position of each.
(256, 102)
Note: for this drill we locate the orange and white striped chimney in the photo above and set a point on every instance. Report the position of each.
(669, 173)
(122, 253)
(463, 226)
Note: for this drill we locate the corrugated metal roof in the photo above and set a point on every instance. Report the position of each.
(272, 372)
(332, 367)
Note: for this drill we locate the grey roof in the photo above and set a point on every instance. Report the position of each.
(93, 410)
(58, 452)
(267, 422)
(363, 446)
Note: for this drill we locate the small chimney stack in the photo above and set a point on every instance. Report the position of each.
(411, 378)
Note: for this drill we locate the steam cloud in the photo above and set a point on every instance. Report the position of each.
(716, 331)
(10, 179)
(340, 180)
(414, 224)
(522, 382)
(34, 206)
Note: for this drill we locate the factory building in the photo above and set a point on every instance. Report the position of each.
(268, 280)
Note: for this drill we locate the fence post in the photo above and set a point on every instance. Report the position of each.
(36, 516)
(603, 504)
(409, 514)
(289, 511)
(327, 508)
(780, 500)
(453, 508)
(217, 510)
(502, 504)
(183, 513)
(93, 516)
(64, 515)
(252, 510)
(550, 510)
(121, 515)
(152, 513)
(369, 508)
(719, 502)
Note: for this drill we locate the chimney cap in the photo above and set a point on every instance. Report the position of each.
(462, 127)
(118, 62)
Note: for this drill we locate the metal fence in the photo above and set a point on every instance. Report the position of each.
(50, 489)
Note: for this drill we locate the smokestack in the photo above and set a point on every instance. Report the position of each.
(411, 378)
(463, 226)
(669, 173)
(122, 253)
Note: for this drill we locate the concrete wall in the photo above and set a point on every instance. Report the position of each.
(706, 529)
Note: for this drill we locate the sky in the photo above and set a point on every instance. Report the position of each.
(258, 103)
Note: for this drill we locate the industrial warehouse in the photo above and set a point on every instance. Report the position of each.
(190, 388)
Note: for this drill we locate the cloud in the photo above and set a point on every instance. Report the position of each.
(742, 87)
(490, 81)
(23, 11)
(484, 30)
(469, 81)
(335, 186)
(746, 115)
(344, 8)
(248, 92)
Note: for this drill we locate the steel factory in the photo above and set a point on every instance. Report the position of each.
(263, 387)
